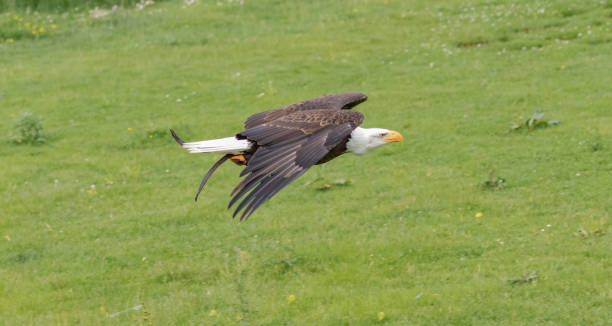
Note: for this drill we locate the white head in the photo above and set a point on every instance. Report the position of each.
(364, 139)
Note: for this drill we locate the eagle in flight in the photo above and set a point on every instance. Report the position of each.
(278, 146)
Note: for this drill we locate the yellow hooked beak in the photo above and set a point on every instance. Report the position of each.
(393, 137)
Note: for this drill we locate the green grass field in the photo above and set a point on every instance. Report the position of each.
(98, 224)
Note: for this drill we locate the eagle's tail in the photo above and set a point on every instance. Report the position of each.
(228, 145)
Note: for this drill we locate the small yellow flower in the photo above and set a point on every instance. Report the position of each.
(212, 313)
(381, 315)
(53, 26)
(10, 40)
(26, 24)
(478, 215)
(41, 29)
(20, 19)
(7, 237)
(563, 67)
(150, 136)
(34, 32)
(15, 18)
(291, 298)
(129, 129)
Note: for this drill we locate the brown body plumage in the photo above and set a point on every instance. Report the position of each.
(287, 141)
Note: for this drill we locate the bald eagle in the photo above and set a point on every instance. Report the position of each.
(278, 146)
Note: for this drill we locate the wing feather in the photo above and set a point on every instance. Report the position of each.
(286, 148)
(253, 178)
(277, 180)
(271, 192)
(340, 101)
(278, 154)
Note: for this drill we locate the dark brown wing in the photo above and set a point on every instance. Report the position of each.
(326, 102)
(287, 147)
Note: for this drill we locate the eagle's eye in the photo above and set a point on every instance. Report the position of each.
(384, 134)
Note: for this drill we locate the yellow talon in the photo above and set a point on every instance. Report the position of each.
(238, 159)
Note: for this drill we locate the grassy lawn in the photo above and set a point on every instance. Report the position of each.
(98, 224)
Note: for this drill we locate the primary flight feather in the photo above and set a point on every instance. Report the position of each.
(278, 146)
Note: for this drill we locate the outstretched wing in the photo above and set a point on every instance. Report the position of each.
(326, 102)
(287, 147)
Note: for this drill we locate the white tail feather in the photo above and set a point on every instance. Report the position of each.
(229, 145)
